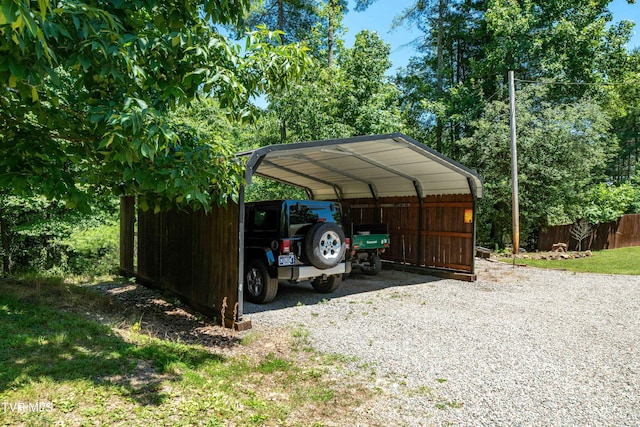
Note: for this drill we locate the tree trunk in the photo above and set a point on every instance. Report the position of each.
(4, 239)
(330, 31)
(283, 131)
(440, 72)
(281, 15)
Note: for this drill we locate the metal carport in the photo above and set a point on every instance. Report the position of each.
(388, 178)
(391, 165)
(427, 200)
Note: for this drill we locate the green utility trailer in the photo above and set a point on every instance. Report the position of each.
(368, 241)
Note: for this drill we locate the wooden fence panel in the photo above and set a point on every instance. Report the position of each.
(448, 238)
(194, 255)
(431, 234)
(627, 233)
(611, 235)
(150, 244)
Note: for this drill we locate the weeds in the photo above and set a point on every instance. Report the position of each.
(449, 404)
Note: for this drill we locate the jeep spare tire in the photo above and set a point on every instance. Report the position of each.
(325, 245)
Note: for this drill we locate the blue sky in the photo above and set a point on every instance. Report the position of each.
(379, 16)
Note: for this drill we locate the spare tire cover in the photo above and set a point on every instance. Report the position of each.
(325, 245)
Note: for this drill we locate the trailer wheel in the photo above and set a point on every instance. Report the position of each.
(374, 265)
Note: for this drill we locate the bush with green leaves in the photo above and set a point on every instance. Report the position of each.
(606, 203)
(92, 251)
(41, 235)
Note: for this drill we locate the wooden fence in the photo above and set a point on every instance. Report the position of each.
(191, 254)
(196, 255)
(437, 231)
(611, 235)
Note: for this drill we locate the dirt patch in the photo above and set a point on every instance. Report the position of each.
(136, 307)
(151, 313)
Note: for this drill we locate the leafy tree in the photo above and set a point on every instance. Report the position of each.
(326, 38)
(561, 152)
(606, 203)
(468, 46)
(352, 98)
(317, 23)
(450, 93)
(335, 10)
(87, 88)
(431, 17)
(295, 18)
(264, 189)
(624, 106)
(310, 110)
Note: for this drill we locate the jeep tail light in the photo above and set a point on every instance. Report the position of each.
(347, 240)
(285, 246)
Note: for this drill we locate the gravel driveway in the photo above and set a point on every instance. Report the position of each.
(521, 346)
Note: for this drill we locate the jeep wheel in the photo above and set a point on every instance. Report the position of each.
(325, 245)
(373, 265)
(326, 286)
(259, 286)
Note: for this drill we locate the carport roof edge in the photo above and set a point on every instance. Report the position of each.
(383, 165)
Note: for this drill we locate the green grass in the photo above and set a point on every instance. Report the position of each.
(81, 372)
(612, 261)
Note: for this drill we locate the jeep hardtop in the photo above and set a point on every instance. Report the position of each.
(293, 240)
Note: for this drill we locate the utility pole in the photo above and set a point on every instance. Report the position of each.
(514, 169)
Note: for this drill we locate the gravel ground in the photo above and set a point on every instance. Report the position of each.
(520, 346)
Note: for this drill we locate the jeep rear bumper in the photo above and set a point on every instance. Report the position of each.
(305, 272)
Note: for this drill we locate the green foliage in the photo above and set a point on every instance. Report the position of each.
(264, 189)
(295, 18)
(579, 132)
(39, 235)
(607, 203)
(561, 151)
(87, 88)
(310, 110)
(624, 104)
(352, 98)
(92, 251)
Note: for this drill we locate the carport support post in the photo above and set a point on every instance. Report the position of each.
(420, 241)
(241, 220)
(475, 230)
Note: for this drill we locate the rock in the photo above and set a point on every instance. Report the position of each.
(483, 252)
(559, 247)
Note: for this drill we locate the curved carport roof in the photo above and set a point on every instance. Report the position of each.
(389, 165)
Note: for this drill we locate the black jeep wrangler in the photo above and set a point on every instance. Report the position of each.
(293, 240)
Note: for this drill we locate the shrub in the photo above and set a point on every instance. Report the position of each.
(91, 251)
(606, 203)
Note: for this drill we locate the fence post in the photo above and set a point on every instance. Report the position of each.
(127, 230)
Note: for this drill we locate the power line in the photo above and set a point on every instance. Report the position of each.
(549, 82)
